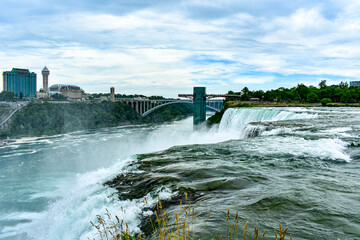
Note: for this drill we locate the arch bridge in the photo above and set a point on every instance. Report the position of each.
(144, 107)
(199, 99)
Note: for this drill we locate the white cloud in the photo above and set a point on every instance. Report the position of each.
(147, 49)
(253, 79)
(305, 27)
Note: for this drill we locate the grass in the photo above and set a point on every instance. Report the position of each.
(182, 226)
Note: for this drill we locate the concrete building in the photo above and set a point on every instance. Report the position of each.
(355, 84)
(20, 81)
(69, 91)
(45, 73)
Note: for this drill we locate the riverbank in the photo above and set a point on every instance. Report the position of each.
(261, 104)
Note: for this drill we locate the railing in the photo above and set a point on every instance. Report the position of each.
(17, 108)
(209, 96)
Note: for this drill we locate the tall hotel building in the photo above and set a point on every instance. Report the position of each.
(22, 82)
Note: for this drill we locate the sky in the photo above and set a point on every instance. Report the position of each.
(166, 47)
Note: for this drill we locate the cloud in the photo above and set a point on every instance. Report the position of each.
(163, 47)
(249, 79)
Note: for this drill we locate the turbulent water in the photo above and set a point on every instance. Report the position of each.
(297, 166)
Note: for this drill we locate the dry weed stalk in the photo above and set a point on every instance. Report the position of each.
(181, 229)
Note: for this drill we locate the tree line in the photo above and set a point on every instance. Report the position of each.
(304, 94)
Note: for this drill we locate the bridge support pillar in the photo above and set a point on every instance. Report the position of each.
(137, 109)
(199, 105)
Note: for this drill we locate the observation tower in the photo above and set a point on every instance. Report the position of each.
(45, 72)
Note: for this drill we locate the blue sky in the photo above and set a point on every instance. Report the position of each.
(167, 47)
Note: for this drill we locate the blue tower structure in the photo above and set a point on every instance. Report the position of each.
(20, 81)
(199, 105)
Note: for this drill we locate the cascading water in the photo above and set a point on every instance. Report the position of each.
(52, 187)
(238, 119)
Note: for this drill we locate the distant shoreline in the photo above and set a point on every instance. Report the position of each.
(260, 104)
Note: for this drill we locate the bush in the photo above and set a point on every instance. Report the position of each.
(325, 101)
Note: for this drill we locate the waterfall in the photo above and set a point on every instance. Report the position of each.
(237, 119)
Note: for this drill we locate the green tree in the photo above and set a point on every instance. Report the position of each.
(245, 94)
(303, 91)
(322, 84)
(258, 94)
(312, 98)
(343, 85)
(269, 96)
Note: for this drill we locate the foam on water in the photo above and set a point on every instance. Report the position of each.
(237, 119)
(346, 132)
(25, 152)
(277, 131)
(68, 217)
(82, 198)
(342, 131)
(85, 195)
(324, 148)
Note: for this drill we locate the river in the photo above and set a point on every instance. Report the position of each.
(297, 166)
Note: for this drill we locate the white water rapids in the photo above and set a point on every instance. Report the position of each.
(61, 204)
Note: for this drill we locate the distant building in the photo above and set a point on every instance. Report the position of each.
(355, 84)
(45, 73)
(112, 94)
(69, 91)
(101, 99)
(41, 94)
(21, 82)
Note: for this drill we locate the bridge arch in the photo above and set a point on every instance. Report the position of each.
(174, 102)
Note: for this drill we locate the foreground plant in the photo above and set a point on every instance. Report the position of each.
(182, 228)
